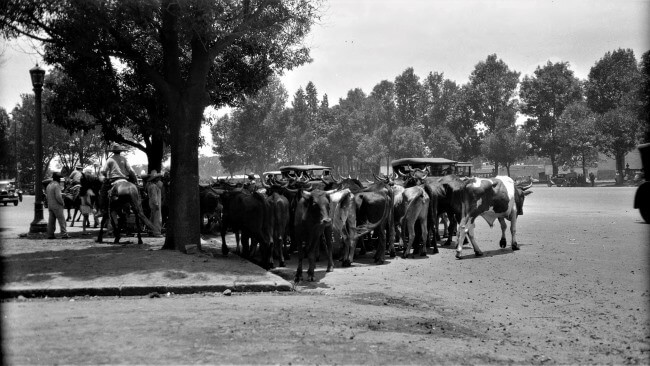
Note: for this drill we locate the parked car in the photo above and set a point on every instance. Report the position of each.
(9, 193)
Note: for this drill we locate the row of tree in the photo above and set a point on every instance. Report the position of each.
(565, 120)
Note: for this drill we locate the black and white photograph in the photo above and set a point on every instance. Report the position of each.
(324, 182)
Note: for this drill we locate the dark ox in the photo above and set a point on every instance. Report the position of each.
(375, 212)
(312, 220)
(210, 207)
(497, 198)
(250, 214)
(279, 220)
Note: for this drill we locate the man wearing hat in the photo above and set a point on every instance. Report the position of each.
(55, 206)
(153, 186)
(116, 167)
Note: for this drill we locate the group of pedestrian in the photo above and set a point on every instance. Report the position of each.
(115, 168)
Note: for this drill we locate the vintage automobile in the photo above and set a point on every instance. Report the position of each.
(563, 180)
(272, 175)
(313, 172)
(464, 169)
(437, 167)
(9, 193)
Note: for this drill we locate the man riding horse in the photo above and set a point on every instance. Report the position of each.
(119, 193)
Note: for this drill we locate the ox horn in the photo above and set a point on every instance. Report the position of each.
(523, 188)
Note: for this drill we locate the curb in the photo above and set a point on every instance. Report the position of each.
(141, 290)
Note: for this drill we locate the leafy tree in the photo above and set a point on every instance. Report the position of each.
(249, 139)
(7, 158)
(613, 93)
(462, 125)
(408, 97)
(620, 131)
(644, 93)
(54, 139)
(408, 142)
(613, 81)
(505, 145)
(544, 97)
(577, 137)
(178, 46)
(491, 91)
(383, 98)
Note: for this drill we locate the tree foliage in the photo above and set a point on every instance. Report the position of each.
(613, 81)
(577, 137)
(544, 97)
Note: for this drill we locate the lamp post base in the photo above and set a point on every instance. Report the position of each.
(38, 227)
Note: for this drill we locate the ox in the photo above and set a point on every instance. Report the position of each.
(312, 220)
(209, 206)
(279, 220)
(344, 221)
(375, 211)
(497, 198)
(416, 201)
(249, 213)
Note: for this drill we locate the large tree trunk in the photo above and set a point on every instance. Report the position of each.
(184, 191)
(620, 166)
(496, 168)
(554, 165)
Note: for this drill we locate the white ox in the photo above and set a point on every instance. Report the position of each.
(497, 198)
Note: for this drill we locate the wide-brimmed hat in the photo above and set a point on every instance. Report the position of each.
(116, 147)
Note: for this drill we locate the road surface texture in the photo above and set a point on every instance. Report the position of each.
(576, 293)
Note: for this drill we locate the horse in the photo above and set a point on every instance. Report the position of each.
(122, 197)
(70, 203)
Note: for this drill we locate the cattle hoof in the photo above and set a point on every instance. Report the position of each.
(424, 254)
(458, 256)
(379, 261)
(502, 243)
(478, 254)
(515, 246)
(329, 269)
(346, 263)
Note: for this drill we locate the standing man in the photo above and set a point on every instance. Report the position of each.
(153, 186)
(116, 167)
(55, 207)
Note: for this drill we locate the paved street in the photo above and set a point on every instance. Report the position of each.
(576, 292)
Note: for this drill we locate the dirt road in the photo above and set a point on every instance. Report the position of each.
(577, 292)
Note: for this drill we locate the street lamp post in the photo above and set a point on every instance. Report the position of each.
(38, 225)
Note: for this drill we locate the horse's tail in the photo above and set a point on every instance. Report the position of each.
(138, 211)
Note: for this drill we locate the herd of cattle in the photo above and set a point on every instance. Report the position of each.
(302, 215)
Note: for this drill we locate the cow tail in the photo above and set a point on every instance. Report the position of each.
(370, 226)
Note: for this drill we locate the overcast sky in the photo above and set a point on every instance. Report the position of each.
(359, 43)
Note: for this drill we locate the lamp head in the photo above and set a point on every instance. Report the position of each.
(38, 76)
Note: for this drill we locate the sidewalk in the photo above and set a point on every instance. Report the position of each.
(38, 267)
